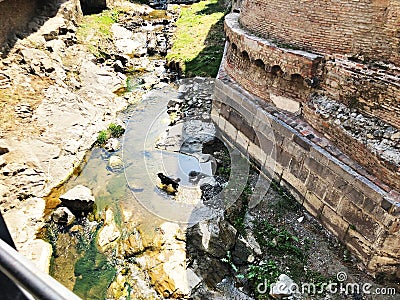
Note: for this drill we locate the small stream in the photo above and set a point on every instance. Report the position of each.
(107, 253)
(133, 196)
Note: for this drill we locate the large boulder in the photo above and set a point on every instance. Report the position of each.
(78, 199)
(165, 262)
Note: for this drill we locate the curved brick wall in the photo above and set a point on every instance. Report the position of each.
(354, 27)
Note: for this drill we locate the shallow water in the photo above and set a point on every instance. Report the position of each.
(132, 193)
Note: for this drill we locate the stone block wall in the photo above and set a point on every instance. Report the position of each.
(368, 29)
(287, 77)
(352, 207)
(388, 172)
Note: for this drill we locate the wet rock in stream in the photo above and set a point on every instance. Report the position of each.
(78, 199)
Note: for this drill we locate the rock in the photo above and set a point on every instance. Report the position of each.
(23, 111)
(52, 27)
(12, 169)
(166, 263)
(133, 245)
(243, 252)
(115, 163)
(76, 228)
(215, 236)
(174, 102)
(56, 46)
(112, 145)
(109, 233)
(4, 190)
(284, 287)
(79, 198)
(395, 136)
(5, 81)
(4, 150)
(63, 216)
(120, 32)
(39, 252)
(118, 66)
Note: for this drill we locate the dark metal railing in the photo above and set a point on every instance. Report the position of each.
(21, 280)
(33, 282)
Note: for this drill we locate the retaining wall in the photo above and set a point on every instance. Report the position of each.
(361, 214)
(288, 78)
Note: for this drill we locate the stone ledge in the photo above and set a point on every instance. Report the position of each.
(290, 61)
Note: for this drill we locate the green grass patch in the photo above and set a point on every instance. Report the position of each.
(113, 130)
(199, 39)
(95, 31)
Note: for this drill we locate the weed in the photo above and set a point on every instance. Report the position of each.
(95, 31)
(278, 241)
(113, 130)
(102, 137)
(228, 260)
(263, 273)
(116, 130)
(93, 271)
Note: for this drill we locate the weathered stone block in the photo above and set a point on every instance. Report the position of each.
(334, 222)
(382, 263)
(313, 204)
(235, 119)
(315, 184)
(297, 184)
(332, 198)
(302, 142)
(293, 190)
(230, 131)
(391, 244)
(359, 220)
(359, 245)
(242, 141)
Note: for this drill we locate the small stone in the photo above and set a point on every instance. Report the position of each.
(4, 150)
(76, 228)
(283, 287)
(395, 136)
(63, 216)
(112, 145)
(115, 162)
(378, 133)
(301, 219)
(118, 66)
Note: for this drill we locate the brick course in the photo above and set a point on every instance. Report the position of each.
(363, 28)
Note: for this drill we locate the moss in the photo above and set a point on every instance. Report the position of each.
(93, 271)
